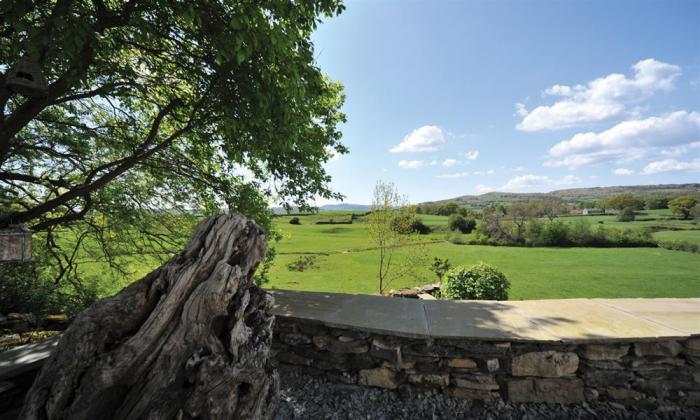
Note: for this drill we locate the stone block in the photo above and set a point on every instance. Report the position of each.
(604, 351)
(430, 379)
(475, 381)
(471, 394)
(657, 348)
(691, 399)
(294, 339)
(292, 359)
(427, 366)
(602, 364)
(465, 363)
(606, 378)
(692, 343)
(623, 393)
(591, 394)
(658, 361)
(478, 348)
(429, 349)
(657, 388)
(551, 390)
(379, 377)
(360, 361)
(334, 345)
(492, 365)
(547, 364)
(385, 350)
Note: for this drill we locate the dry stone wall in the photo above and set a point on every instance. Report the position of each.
(645, 374)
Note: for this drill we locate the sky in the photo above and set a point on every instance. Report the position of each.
(453, 98)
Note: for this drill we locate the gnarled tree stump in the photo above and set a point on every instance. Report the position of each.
(190, 340)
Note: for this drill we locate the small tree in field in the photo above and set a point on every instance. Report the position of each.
(682, 206)
(461, 223)
(388, 209)
(626, 215)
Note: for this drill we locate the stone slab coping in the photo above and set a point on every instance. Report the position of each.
(560, 320)
(25, 358)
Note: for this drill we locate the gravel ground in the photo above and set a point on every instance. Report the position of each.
(307, 397)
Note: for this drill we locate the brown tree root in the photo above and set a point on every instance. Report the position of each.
(189, 340)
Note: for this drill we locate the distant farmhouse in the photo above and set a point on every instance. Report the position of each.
(590, 212)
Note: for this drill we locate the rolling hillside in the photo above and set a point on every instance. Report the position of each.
(574, 195)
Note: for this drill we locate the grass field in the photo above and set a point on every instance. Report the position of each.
(346, 262)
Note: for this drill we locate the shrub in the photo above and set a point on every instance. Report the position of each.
(555, 233)
(407, 224)
(481, 282)
(294, 221)
(461, 223)
(626, 215)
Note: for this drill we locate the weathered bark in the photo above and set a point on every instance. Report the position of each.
(190, 340)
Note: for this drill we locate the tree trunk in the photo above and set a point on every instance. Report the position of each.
(189, 340)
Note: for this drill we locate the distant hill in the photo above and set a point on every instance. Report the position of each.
(346, 207)
(572, 195)
(327, 207)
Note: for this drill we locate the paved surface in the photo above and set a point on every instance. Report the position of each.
(567, 320)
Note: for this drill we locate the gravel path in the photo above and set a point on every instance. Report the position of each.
(307, 397)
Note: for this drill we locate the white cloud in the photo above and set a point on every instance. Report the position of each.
(671, 165)
(423, 139)
(450, 162)
(519, 169)
(453, 175)
(471, 155)
(536, 181)
(630, 140)
(677, 151)
(623, 171)
(433, 162)
(483, 188)
(600, 99)
(520, 110)
(489, 172)
(410, 164)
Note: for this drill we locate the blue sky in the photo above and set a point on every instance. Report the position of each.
(453, 98)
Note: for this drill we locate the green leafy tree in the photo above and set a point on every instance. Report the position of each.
(461, 223)
(158, 113)
(656, 202)
(387, 207)
(683, 206)
(621, 201)
(626, 215)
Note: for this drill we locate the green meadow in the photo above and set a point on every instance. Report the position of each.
(346, 261)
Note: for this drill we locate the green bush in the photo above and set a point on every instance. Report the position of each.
(407, 224)
(461, 223)
(626, 215)
(294, 221)
(480, 282)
